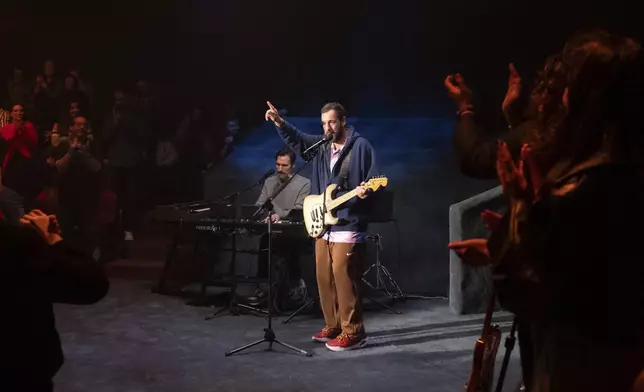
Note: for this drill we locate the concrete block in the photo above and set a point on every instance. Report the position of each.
(469, 288)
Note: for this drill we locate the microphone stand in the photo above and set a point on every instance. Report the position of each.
(204, 206)
(269, 334)
(509, 345)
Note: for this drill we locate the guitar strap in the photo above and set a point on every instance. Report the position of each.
(341, 178)
(343, 174)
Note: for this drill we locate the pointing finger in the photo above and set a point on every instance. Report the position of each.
(270, 105)
(513, 72)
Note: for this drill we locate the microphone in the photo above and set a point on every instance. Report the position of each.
(265, 176)
(205, 206)
(319, 144)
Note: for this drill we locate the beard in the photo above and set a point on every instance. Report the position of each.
(337, 135)
(282, 177)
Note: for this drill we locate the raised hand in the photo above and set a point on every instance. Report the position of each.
(491, 219)
(472, 252)
(536, 177)
(272, 114)
(514, 88)
(458, 90)
(45, 225)
(511, 177)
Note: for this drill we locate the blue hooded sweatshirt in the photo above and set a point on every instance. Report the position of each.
(353, 214)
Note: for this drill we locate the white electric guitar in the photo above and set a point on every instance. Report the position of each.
(316, 219)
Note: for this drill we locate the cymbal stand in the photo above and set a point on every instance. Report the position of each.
(384, 280)
(381, 271)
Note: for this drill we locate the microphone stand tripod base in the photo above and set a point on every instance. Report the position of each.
(269, 337)
(234, 310)
(269, 334)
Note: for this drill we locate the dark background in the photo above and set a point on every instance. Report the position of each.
(385, 61)
(377, 57)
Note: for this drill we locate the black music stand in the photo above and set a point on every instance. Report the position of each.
(269, 334)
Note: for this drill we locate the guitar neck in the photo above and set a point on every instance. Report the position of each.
(487, 322)
(335, 203)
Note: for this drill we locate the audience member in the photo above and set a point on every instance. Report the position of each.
(19, 90)
(62, 127)
(72, 94)
(40, 269)
(123, 145)
(47, 92)
(78, 185)
(23, 164)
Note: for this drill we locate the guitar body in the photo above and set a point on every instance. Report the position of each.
(316, 220)
(318, 209)
(482, 376)
(477, 366)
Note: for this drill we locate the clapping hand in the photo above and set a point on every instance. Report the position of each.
(513, 178)
(514, 88)
(536, 177)
(458, 90)
(472, 252)
(45, 225)
(491, 219)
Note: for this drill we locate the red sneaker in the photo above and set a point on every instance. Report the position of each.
(326, 334)
(346, 342)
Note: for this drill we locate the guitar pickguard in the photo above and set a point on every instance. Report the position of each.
(316, 220)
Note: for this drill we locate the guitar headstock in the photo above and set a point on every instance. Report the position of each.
(376, 183)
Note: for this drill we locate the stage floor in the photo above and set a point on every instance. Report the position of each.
(134, 340)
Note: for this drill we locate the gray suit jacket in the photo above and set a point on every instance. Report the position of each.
(292, 197)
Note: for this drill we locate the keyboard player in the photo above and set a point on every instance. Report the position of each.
(289, 199)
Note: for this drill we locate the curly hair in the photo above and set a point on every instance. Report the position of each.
(604, 96)
(550, 84)
(603, 77)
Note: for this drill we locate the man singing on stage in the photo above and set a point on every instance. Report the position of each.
(287, 200)
(348, 161)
